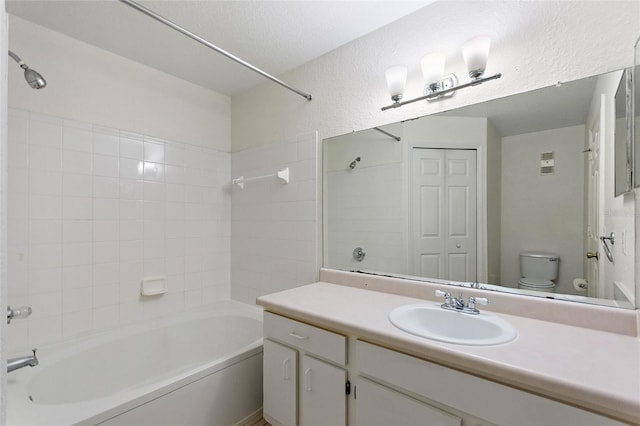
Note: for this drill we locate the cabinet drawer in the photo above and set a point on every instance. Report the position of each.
(322, 343)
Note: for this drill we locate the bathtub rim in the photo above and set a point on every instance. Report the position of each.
(22, 411)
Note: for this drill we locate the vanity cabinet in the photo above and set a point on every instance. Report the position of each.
(306, 371)
(411, 385)
(304, 374)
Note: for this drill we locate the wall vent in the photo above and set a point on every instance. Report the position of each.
(547, 163)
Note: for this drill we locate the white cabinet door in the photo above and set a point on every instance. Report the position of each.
(376, 405)
(280, 384)
(322, 393)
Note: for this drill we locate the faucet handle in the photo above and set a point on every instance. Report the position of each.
(446, 295)
(471, 304)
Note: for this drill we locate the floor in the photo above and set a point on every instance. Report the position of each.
(261, 422)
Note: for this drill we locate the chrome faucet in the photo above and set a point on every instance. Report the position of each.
(23, 361)
(457, 303)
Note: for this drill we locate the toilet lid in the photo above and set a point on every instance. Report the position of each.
(537, 282)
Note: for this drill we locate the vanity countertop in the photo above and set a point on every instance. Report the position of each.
(595, 370)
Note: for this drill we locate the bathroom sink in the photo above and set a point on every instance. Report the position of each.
(433, 322)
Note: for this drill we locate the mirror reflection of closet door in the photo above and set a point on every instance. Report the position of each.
(443, 213)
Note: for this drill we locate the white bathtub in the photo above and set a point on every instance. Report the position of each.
(203, 368)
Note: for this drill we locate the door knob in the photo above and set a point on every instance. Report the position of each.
(591, 255)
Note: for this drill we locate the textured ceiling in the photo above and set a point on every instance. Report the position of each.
(275, 36)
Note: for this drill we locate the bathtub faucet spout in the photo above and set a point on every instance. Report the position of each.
(23, 361)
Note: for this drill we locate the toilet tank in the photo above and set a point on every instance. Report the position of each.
(535, 264)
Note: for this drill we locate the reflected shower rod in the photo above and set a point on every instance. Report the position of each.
(212, 46)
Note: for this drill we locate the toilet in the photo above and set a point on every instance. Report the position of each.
(538, 270)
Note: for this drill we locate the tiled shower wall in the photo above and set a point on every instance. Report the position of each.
(274, 226)
(93, 210)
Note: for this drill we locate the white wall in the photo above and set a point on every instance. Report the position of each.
(535, 44)
(94, 86)
(93, 210)
(117, 172)
(619, 212)
(543, 212)
(274, 225)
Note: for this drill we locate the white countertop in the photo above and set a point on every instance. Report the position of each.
(595, 370)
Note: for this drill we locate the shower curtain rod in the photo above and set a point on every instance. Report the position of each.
(212, 46)
(391, 135)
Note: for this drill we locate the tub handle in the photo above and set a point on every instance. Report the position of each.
(285, 369)
(298, 336)
(307, 379)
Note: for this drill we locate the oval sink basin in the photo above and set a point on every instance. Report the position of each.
(433, 322)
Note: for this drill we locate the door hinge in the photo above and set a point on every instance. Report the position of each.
(348, 388)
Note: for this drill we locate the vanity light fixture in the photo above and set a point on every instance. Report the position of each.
(475, 53)
(396, 81)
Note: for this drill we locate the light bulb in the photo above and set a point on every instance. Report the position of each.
(433, 67)
(476, 53)
(396, 81)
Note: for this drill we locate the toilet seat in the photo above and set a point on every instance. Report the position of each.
(537, 283)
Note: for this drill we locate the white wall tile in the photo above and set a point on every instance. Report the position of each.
(78, 322)
(45, 158)
(19, 154)
(45, 132)
(45, 256)
(77, 162)
(76, 208)
(131, 230)
(77, 276)
(154, 191)
(76, 185)
(106, 273)
(106, 252)
(153, 172)
(42, 231)
(131, 169)
(77, 231)
(131, 210)
(106, 317)
(106, 142)
(106, 187)
(105, 165)
(93, 210)
(45, 330)
(76, 254)
(47, 280)
(154, 152)
(272, 224)
(76, 139)
(131, 189)
(174, 154)
(106, 230)
(131, 146)
(106, 209)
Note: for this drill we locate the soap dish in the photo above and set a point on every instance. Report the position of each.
(153, 286)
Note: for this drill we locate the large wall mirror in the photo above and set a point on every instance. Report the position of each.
(476, 195)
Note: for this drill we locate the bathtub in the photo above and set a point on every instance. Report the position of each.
(203, 368)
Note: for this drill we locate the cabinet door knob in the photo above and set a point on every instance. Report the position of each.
(591, 255)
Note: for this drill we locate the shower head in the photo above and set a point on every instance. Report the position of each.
(352, 165)
(33, 77)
